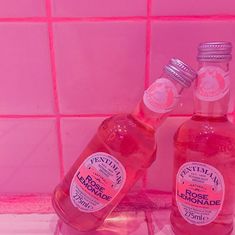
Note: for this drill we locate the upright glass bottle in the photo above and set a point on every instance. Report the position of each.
(204, 163)
(119, 153)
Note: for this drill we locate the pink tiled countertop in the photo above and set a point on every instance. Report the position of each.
(140, 213)
(119, 223)
(133, 216)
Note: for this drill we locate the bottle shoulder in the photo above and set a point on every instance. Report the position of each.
(123, 124)
(207, 126)
(128, 140)
(206, 136)
(123, 133)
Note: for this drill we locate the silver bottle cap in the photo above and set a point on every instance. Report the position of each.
(180, 72)
(215, 52)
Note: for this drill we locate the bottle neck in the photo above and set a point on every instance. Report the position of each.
(158, 101)
(212, 90)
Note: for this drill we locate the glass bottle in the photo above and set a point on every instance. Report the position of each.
(204, 162)
(118, 154)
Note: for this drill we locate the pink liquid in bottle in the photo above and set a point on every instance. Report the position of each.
(118, 155)
(204, 163)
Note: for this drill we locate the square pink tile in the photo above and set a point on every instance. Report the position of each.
(161, 222)
(160, 174)
(29, 156)
(76, 134)
(123, 223)
(22, 8)
(40, 224)
(192, 7)
(180, 39)
(97, 8)
(231, 118)
(25, 74)
(100, 66)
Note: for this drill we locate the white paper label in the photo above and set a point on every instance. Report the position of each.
(97, 181)
(212, 83)
(161, 96)
(199, 192)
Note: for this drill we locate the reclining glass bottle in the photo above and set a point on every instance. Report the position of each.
(119, 153)
(204, 163)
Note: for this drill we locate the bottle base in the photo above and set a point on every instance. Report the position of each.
(180, 232)
(189, 229)
(77, 226)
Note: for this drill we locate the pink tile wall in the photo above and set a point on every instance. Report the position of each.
(99, 8)
(76, 133)
(29, 156)
(160, 174)
(22, 8)
(25, 71)
(97, 67)
(65, 65)
(192, 7)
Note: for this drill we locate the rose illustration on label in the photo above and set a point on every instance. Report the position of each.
(213, 83)
(199, 192)
(161, 96)
(96, 182)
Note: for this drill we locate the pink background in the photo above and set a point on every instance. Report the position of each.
(65, 65)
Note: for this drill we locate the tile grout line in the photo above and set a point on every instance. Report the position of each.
(119, 18)
(148, 45)
(193, 18)
(55, 90)
(99, 19)
(149, 222)
(44, 116)
(147, 62)
(233, 115)
(58, 227)
(83, 115)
